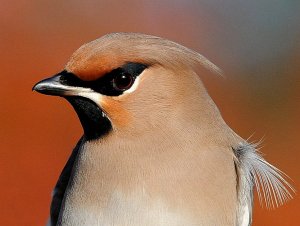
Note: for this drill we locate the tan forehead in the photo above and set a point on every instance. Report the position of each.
(95, 59)
(91, 67)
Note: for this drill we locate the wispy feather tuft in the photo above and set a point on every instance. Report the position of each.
(270, 182)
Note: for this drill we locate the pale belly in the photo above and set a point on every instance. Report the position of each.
(136, 210)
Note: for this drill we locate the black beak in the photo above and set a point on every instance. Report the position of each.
(55, 86)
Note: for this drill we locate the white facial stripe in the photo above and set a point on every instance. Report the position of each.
(90, 94)
(77, 91)
(74, 91)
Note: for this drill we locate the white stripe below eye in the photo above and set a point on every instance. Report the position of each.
(134, 86)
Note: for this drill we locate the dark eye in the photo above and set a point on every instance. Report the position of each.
(123, 81)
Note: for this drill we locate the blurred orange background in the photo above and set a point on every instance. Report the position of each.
(256, 43)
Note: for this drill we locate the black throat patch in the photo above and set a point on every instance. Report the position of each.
(94, 122)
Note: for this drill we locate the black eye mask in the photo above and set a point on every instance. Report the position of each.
(113, 83)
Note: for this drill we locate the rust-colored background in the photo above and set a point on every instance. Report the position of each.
(256, 43)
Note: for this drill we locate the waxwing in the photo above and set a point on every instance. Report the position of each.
(155, 149)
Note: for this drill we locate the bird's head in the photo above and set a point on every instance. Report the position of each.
(132, 82)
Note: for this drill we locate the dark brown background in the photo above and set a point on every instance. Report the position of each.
(256, 43)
